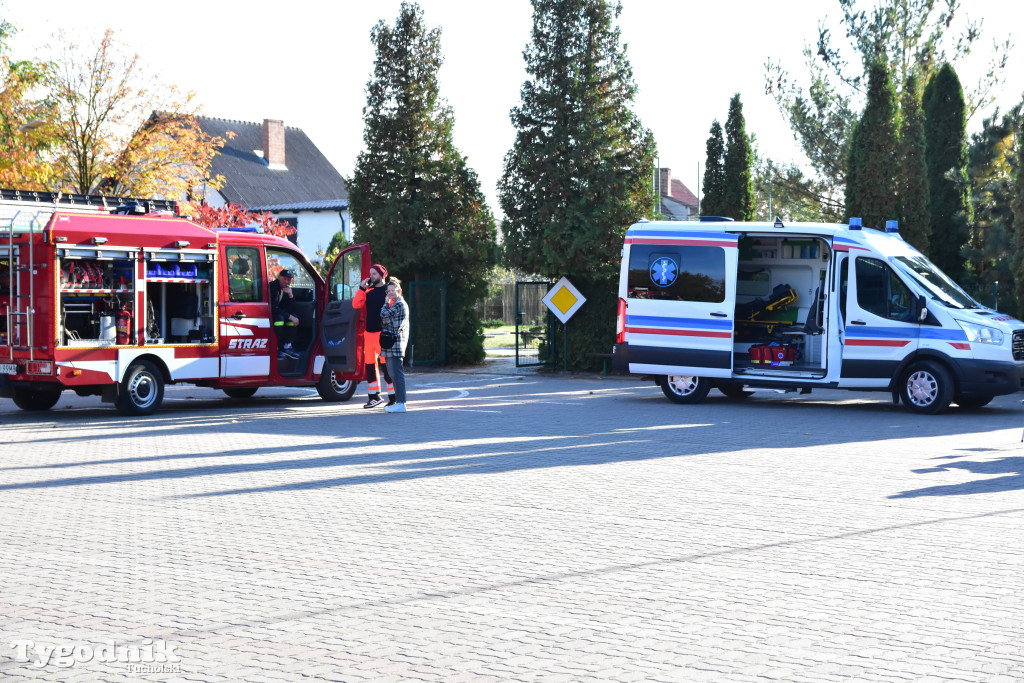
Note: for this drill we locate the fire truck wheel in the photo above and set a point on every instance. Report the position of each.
(241, 392)
(31, 398)
(142, 390)
(685, 388)
(334, 390)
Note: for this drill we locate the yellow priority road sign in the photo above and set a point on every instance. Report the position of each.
(563, 299)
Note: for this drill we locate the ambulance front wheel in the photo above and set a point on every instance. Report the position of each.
(142, 389)
(33, 398)
(334, 390)
(927, 388)
(685, 388)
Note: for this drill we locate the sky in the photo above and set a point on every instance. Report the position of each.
(307, 62)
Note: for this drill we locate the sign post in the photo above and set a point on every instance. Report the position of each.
(563, 300)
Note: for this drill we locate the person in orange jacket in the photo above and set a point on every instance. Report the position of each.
(372, 296)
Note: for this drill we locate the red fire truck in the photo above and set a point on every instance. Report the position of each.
(119, 298)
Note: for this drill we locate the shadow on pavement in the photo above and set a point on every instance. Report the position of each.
(645, 426)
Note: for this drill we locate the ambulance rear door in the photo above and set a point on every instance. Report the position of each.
(680, 301)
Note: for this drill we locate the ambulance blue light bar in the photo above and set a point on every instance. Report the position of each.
(854, 224)
(892, 226)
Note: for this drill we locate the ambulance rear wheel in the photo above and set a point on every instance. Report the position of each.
(32, 398)
(735, 391)
(142, 389)
(685, 388)
(334, 390)
(240, 392)
(927, 388)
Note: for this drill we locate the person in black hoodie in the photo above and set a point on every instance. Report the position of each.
(285, 322)
(372, 296)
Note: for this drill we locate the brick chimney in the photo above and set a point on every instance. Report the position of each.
(665, 175)
(273, 143)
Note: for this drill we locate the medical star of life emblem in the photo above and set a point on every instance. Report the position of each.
(664, 271)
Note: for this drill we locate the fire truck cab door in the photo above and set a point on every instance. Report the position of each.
(244, 317)
(340, 332)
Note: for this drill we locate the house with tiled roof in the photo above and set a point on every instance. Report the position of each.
(276, 168)
(677, 201)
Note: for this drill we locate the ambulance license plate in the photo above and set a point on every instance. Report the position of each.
(8, 369)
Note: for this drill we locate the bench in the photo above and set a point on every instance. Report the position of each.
(605, 357)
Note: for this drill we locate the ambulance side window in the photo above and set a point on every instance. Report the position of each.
(880, 291)
(676, 273)
(245, 277)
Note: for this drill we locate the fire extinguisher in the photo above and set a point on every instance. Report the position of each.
(124, 325)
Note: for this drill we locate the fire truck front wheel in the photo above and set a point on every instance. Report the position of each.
(332, 389)
(34, 398)
(142, 390)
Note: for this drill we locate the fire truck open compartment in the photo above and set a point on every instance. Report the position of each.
(98, 295)
(95, 285)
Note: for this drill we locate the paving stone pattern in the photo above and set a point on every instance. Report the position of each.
(533, 528)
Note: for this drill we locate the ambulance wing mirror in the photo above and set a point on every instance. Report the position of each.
(921, 308)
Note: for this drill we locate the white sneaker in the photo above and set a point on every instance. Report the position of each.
(397, 408)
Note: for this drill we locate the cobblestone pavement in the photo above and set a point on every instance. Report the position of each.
(513, 527)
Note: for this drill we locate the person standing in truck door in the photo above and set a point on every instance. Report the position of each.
(372, 296)
(285, 322)
(395, 318)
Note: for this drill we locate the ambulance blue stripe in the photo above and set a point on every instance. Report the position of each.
(678, 323)
(859, 332)
(905, 333)
(946, 335)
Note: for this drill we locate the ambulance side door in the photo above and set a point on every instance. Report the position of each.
(244, 317)
(341, 325)
(681, 300)
(880, 329)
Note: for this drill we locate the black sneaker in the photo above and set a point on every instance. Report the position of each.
(391, 399)
(290, 353)
(280, 355)
(373, 402)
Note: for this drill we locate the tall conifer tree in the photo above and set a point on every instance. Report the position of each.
(915, 218)
(871, 184)
(579, 172)
(945, 135)
(714, 173)
(738, 197)
(412, 195)
(1017, 207)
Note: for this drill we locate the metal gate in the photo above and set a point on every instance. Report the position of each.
(428, 303)
(534, 325)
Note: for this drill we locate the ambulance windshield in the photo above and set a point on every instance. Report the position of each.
(935, 282)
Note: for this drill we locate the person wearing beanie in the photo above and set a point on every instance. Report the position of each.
(372, 296)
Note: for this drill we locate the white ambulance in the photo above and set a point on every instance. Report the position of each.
(794, 307)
